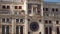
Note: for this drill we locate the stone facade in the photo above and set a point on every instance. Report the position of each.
(29, 17)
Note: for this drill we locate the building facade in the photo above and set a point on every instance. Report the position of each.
(29, 17)
(51, 14)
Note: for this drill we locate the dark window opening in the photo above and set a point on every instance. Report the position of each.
(16, 7)
(28, 32)
(17, 29)
(46, 30)
(56, 9)
(50, 30)
(3, 19)
(57, 30)
(53, 9)
(4, 7)
(17, 20)
(38, 12)
(7, 30)
(39, 32)
(46, 9)
(46, 21)
(3, 29)
(21, 20)
(8, 7)
(39, 20)
(28, 19)
(50, 22)
(20, 7)
(7, 20)
(21, 30)
(43, 9)
(57, 22)
(29, 6)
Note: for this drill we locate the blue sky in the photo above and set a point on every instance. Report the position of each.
(52, 0)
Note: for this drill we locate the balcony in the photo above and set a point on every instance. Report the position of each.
(19, 12)
(5, 12)
(6, 23)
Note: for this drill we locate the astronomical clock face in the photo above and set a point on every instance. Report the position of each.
(34, 26)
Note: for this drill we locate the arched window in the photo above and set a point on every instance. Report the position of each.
(57, 30)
